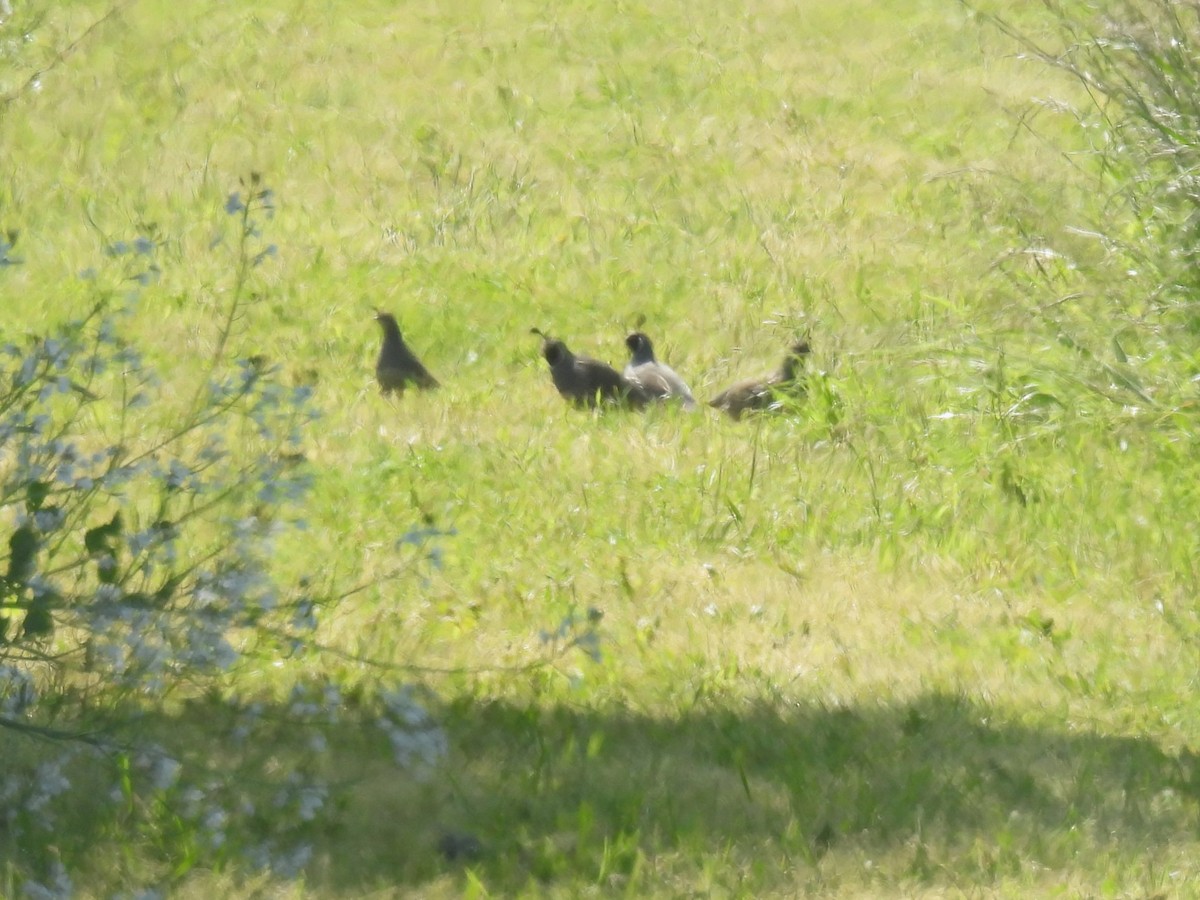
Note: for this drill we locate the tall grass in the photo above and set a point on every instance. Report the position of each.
(930, 631)
(1139, 113)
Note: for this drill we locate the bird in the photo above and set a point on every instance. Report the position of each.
(460, 846)
(397, 366)
(584, 381)
(763, 393)
(657, 380)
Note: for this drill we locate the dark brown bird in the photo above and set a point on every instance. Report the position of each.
(397, 366)
(763, 393)
(658, 380)
(585, 381)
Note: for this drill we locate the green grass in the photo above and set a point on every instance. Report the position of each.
(931, 634)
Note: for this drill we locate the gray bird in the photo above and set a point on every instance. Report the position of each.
(397, 366)
(585, 381)
(658, 380)
(763, 393)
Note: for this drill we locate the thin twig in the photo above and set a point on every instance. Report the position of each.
(55, 734)
(61, 56)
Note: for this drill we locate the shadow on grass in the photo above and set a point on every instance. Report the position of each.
(619, 798)
(760, 799)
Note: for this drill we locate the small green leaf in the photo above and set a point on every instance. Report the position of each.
(22, 548)
(1128, 381)
(38, 621)
(1041, 400)
(37, 491)
(100, 538)
(734, 511)
(106, 570)
(168, 588)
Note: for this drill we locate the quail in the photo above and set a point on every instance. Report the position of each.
(397, 366)
(460, 846)
(657, 380)
(585, 381)
(762, 393)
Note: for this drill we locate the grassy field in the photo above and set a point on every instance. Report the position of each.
(930, 634)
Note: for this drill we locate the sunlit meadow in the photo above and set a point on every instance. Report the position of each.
(929, 632)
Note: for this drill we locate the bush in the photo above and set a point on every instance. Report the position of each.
(1109, 313)
(1136, 62)
(139, 607)
(138, 582)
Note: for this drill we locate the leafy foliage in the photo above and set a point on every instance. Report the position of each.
(138, 578)
(1138, 115)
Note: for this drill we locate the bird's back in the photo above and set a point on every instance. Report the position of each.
(764, 393)
(747, 394)
(396, 365)
(660, 381)
(588, 381)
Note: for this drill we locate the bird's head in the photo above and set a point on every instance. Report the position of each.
(795, 358)
(640, 347)
(386, 321)
(555, 352)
